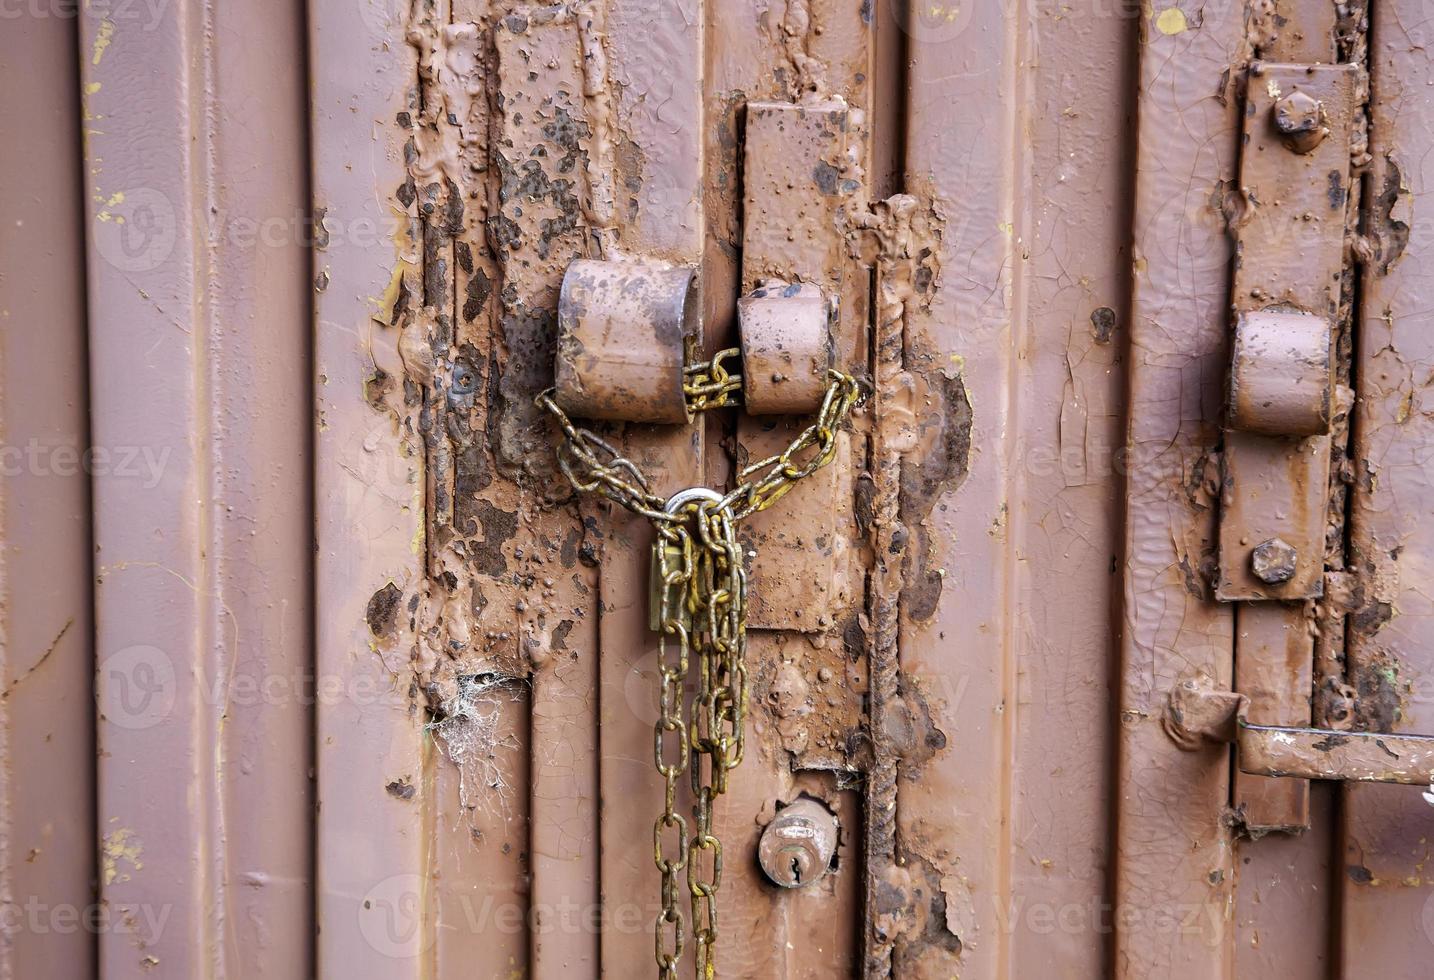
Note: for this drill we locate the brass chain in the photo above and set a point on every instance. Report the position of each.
(709, 384)
(700, 595)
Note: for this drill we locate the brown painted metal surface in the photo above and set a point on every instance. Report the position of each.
(312, 662)
(47, 759)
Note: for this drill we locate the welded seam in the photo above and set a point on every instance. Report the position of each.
(890, 221)
(808, 81)
(212, 849)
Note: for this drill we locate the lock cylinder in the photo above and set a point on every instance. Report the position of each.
(796, 848)
(625, 329)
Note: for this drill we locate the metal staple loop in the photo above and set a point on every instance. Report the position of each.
(700, 583)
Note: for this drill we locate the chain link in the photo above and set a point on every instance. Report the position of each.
(709, 385)
(700, 591)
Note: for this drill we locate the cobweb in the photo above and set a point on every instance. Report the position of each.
(468, 723)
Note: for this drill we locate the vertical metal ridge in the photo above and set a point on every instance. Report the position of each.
(1386, 913)
(1173, 855)
(258, 396)
(147, 314)
(957, 691)
(47, 761)
(370, 840)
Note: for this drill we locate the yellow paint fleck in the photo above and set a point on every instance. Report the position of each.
(120, 845)
(419, 542)
(1006, 228)
(92, 88)
(108, 202)
(102, 39)
(1171, 21)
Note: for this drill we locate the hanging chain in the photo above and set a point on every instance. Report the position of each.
(700, 608)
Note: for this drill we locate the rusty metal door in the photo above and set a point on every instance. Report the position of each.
(988, 454)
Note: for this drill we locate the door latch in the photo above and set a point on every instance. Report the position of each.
(1197, 713)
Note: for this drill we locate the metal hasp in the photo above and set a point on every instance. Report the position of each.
(1290, 260)
(1197, 713)
(786, 347)
(1290, 233)
(797, 846)
(796, 178)
(625, 330)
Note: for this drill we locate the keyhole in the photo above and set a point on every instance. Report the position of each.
(797, 870)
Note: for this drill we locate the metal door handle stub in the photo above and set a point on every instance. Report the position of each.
(1281, 374)
(786, 347)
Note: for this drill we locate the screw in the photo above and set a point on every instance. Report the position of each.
(1274, 561)
(797, 846)
(1300, 118)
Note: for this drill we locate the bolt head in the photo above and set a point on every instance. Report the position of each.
(1300, 118)
(1273, 561)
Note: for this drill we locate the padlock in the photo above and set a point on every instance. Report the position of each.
(677, 593)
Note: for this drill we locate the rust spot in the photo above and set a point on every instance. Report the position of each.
(478, 287)
(934, 916)
(401, 789)
(376, 389)
(1330, 743)
(826, 177)
(560, 634)
(382, 613)
(1337, 193)
(1389, 234)
(1359, 874)
(499, 527)
(938, 467)
(1103, 321)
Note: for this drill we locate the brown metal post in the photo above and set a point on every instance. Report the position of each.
(1067, 528)
(1174, 860)
(198, 286)
(958, 668)
(656, 55)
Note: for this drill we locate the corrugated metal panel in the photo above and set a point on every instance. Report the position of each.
(376, 692)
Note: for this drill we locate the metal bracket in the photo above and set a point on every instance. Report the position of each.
(1294, 182)
(795, 183)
